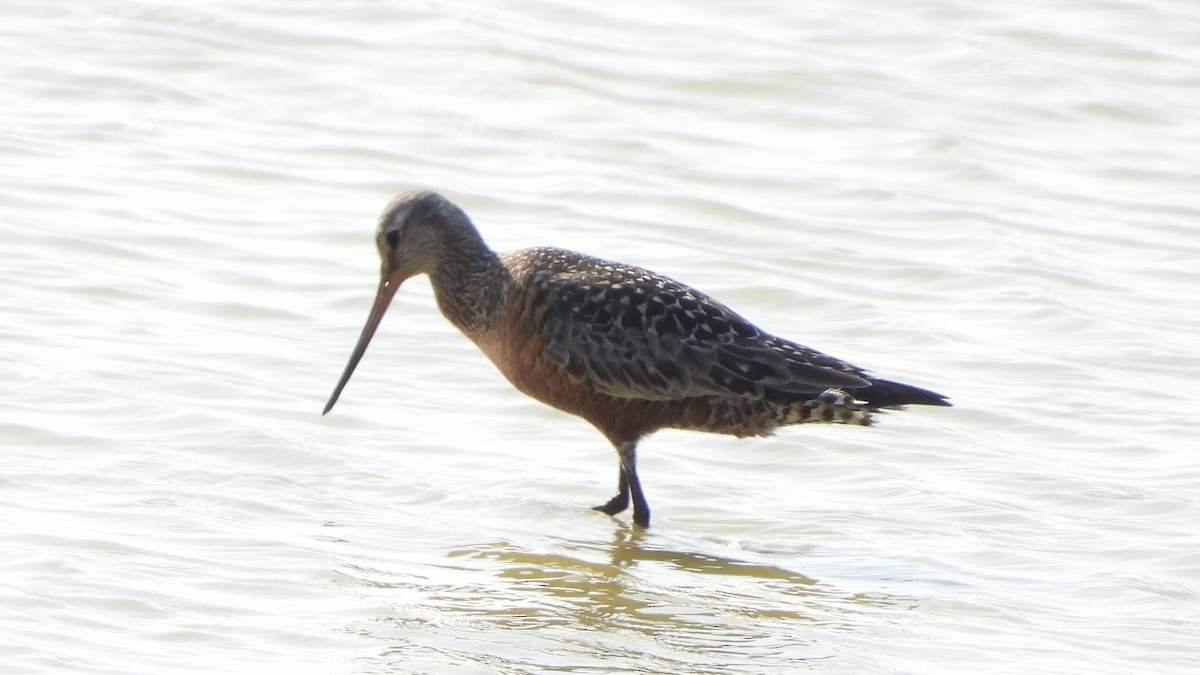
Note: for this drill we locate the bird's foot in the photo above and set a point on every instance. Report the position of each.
(641, 516)
(615, 505)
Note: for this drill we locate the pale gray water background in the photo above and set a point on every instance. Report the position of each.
(997, 201)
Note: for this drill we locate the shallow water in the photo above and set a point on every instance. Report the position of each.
(996, 202)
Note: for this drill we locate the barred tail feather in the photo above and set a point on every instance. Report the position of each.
(832, 406)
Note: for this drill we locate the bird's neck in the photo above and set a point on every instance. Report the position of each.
(469, 284)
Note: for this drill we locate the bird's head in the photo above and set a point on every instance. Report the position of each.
(414, 233)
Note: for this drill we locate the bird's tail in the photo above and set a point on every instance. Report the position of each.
(889, 394)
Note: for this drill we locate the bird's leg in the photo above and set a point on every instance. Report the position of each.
(641, 510)
(629, 486)
(621, 501)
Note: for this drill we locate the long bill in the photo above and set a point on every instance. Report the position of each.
(383, 297)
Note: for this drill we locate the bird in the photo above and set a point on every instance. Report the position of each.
(624, 348)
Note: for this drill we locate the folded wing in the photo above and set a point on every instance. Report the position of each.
(634, 334)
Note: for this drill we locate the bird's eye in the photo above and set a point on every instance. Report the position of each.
(393, 238)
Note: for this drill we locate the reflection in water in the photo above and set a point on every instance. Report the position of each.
(702, 609)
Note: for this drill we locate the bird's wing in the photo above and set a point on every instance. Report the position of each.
(634, 334)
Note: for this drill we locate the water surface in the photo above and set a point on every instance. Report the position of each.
(996, 202)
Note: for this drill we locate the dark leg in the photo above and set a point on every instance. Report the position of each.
(629, 486)
(641, 510)
(621, 501)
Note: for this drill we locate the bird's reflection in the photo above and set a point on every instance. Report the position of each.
(637, 581)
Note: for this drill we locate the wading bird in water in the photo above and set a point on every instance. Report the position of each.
(624, 348)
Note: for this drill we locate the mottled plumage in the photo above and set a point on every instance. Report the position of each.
(628, 350)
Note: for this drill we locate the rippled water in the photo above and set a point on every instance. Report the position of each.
(998, 202)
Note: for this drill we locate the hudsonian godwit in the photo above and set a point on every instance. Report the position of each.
(624, 348)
